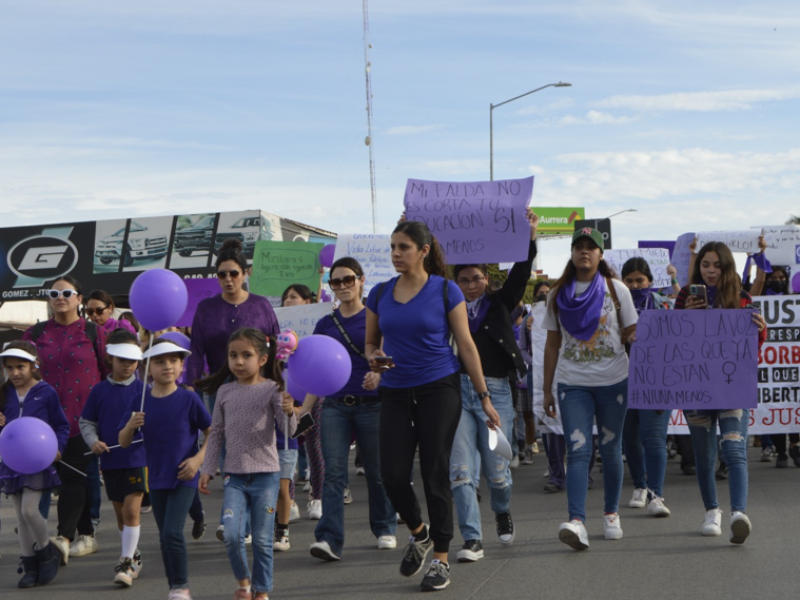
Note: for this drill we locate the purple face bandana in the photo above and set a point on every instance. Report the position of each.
(581, 316)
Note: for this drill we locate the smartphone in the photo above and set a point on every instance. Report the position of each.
(699, 291)
(384, 362)
(306, 422)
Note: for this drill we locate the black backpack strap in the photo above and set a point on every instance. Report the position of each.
(37, 330)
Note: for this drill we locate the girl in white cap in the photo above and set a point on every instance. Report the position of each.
(25, 394)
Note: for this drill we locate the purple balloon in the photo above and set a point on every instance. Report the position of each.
(796, 283)
(326, 255)
(320, 365)
(28, 445)
(177, 338)
(295, 391)
(324, 296)
(158, 299)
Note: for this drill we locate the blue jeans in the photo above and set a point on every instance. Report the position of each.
(170, 508)
(472, 434)
(645, 441)
(733, 426)
(339, 421)
(580, 405)
(251, 498)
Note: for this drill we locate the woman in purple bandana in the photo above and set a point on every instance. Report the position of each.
(590, 316)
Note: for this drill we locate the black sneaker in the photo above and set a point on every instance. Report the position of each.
(505, 528)
(437, 578)
(794, 452)
(782, 461)
(199, 528)
(471, 551)
(414, 554)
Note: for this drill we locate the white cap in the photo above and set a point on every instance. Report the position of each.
(126, 351)
(165, 348)
(17, 353)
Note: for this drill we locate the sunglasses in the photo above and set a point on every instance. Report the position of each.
(347, 281)
(91, 311)
(67, 294)
(224, 274)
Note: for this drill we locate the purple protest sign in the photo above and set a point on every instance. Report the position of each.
(475, 222)
(694, 359)
(658, 244)
(199, 289)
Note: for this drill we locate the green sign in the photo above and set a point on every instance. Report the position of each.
(277, 265)
(558, 220)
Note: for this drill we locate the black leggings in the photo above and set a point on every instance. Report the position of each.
(427, 416)
(74, 500)
(779, 440)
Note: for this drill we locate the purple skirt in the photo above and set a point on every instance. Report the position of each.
(12, 482)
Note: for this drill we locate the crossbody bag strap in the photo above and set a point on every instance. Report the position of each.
(346, 337)
(617, 307)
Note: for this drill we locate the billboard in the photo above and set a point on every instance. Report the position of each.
(108, 255)
(558, 220)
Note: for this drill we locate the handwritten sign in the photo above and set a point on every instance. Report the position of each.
(694, 359)
(372, 251)
(783, 244)
(199, 289)
(737, 241)
(302, 319)
(477, 222)
(657, 259)
(682, 257)
(277, 265)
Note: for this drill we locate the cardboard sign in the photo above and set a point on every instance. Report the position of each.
(738, 241)
(783, 244)
(302, 319)
(694, 359)
(277, 265)
(373, 253)
(475, 222)
(199, 290)
(682, 257)
(657, 259)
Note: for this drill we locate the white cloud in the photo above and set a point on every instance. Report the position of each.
(562, 104)
(595, 117)
(411, 129)
(701, 101)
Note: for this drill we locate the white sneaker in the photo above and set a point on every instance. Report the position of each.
(307, 486)
(360, 471)
(294, 513)
(740, 527)
(62, 545)
(348, 496)
(657, 508)
(315, 510)
(322, 551)
(713, 523)
(83, 546)
(574, 535)
(387, 542)
(248, 539)
(612, 528)
(514, 463)
(639, 498)
(220, 533)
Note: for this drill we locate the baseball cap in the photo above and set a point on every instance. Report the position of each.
(591, 233)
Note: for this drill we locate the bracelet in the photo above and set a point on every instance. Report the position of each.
(674, 280)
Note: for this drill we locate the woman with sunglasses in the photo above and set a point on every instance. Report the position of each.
(72, 353)
(99, 308)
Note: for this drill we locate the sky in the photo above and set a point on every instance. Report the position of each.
(684, 111)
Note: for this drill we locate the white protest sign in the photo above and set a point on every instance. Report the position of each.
(302, 319)
(682, 257)
(538, 338)
(738, 241)
(372, 251)
(783, 244)
(657, 259)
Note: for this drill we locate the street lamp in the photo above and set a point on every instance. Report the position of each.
(621, 212)
(491, 128)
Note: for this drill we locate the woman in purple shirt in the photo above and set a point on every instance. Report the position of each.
(99, 306)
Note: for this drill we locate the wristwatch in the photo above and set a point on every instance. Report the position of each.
(483, 395)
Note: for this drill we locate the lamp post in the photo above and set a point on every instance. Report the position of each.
(491, 127)
(622, 212)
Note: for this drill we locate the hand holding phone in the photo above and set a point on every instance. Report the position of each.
(305, 423)
(700, 293)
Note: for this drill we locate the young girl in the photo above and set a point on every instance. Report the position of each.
(25, 394)
(123, 468)
(245, 415)
(170, 440)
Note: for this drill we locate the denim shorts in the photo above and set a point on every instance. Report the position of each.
(288, 460)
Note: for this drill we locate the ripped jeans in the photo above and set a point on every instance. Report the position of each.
(473, 434)
(580, 406)
(733, 426)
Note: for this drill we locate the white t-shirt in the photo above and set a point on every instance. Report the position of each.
(602, 360)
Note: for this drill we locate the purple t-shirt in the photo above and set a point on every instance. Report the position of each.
(215, 321)
(356, 328)
(113, 324)
(170, 434)
(416, 334)
(108, 406)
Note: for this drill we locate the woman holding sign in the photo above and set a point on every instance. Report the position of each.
(590, 317)
(716, 284)
(409, 322)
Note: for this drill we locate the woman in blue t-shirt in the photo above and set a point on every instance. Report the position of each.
(409, 321)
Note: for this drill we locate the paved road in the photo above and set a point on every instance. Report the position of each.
(658, 558)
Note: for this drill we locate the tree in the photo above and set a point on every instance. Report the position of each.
(793, 220)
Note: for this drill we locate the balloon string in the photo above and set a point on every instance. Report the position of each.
(112, 447)
(286, 432)
(73, 468)
(146, 370)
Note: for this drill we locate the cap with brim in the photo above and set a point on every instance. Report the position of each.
(126, 351)
(165, 348)
(591, 233)
(17, 353)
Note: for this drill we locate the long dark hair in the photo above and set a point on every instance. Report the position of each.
(232, 250)
(419, 233)
(730, 284)
(302, 290)
(637, 263)
(101, 295)
(260, 343)
(37, 375)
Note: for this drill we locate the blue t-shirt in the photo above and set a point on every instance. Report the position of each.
(108, 405)
(170, 434)
(416, 334)
(42, 402)
(356, 328)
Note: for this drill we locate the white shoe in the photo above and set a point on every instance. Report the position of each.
(713, 523)
(514, 463)
(574, 535)
(387, 542)
(360, 471)
(220, 533)
(62, 545)
(307, 486)
(348, 496)
(639, 498)
(612, 528)
(322, 550)
(740, 527)
(83, 546)
(294, 513)
(657, 508)
(315, 510)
